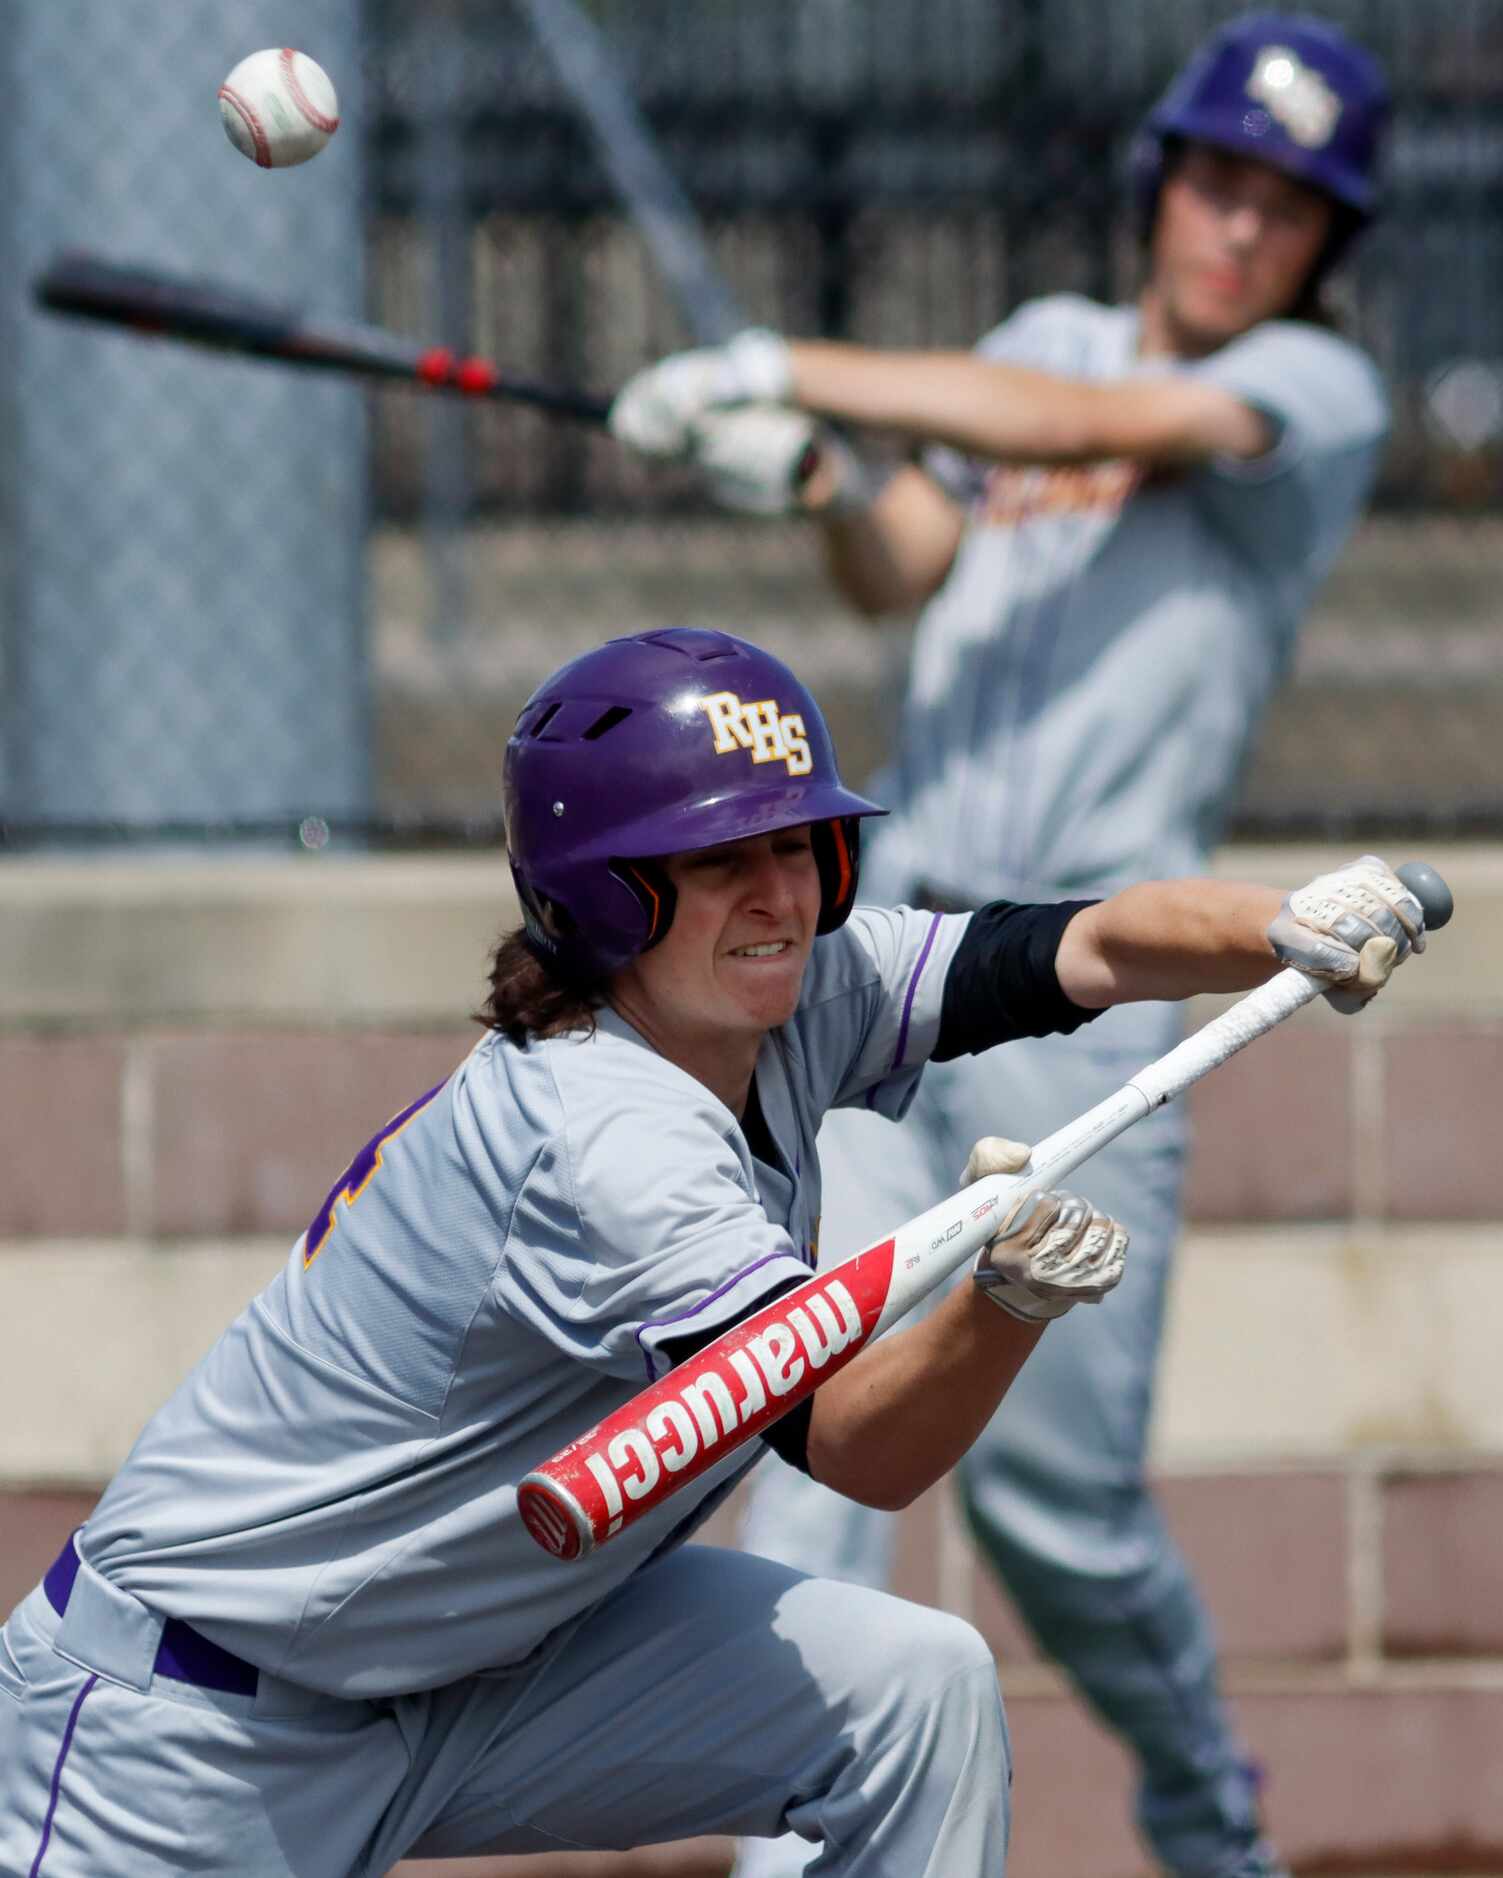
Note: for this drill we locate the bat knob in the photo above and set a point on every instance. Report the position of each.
(1430, 890)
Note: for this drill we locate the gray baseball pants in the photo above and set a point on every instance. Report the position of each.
(715, 1693)
(1054, 1489)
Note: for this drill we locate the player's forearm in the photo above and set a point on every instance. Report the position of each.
(1013, 413)
(891, 555)
(975, 404)
(864, 566)
(1168, 939)
(901, 1416)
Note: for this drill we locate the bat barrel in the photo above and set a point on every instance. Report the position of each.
(702, 1411)
(554, 1517)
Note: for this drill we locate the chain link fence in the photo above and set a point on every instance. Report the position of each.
(184, 540)
(241, 601)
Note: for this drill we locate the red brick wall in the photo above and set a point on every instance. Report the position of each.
(241, 1131)
(196, 1132)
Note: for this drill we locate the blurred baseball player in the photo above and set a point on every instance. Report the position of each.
(1121, 518)
(305, 1632)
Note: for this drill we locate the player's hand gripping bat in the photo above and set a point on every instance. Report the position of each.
(227, 319)
(737, 1386)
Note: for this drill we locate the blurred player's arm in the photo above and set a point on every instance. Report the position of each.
(742, 412)
(889, 551)
(1014, 413)
(718, 405)
(890, 554)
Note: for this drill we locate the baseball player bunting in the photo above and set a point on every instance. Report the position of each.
(738, 1385)
(622, 1172)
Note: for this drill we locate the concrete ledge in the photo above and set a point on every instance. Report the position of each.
(320, 938)
(239, 1129)
(313, 938)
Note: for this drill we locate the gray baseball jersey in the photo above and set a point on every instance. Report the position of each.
(1085, 685)
(331, 1493)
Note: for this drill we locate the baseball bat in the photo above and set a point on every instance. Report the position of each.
(737, 1386)
(584, 66)
(144, 300)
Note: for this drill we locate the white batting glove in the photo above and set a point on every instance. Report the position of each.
(1351, 928)
(656, 409)
(1052, 1251)
(759, 458)
(755, 457)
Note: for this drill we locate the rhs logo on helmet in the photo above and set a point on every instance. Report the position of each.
(1295, 94)
(771, 735)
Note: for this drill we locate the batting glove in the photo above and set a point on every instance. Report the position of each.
(656, 409)
(754, 458)
(1351, 928)
(1052, 1250)
(759, 457)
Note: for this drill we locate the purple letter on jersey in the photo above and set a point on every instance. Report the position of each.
(355, 1178)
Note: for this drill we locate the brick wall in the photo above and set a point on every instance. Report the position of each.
(188, 1054)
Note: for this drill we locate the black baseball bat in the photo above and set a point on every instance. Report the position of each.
(145, 300)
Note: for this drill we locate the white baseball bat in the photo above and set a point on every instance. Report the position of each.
(737, 1386)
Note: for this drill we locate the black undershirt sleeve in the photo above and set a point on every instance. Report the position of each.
(1002, 983)
(789, 1435)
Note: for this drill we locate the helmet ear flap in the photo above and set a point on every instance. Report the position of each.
(549, 927)
(653, 891)
(837, 854)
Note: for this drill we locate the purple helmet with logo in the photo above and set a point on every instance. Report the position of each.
(1287, 90)
(655, 745)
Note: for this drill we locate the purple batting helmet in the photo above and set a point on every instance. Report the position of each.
(1284, 89)
(655, 745)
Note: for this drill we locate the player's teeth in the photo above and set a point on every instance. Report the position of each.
(762, 951)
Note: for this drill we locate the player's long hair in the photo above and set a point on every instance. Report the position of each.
(529, 999)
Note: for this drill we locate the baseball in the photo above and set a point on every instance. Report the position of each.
(278, 107)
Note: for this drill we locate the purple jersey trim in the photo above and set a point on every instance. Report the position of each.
(660, 1323)
(57, 1775)
(918, 970)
